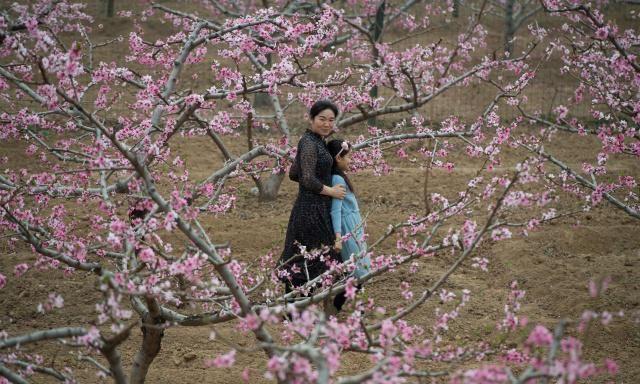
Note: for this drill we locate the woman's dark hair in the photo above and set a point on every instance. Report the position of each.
(334, 147)
(320, 106)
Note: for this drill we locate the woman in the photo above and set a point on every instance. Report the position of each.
(310, 225)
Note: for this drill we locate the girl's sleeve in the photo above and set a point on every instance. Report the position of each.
(336, 206)
(307, 167)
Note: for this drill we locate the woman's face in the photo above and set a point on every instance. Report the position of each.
(323, 123)
(343, 162)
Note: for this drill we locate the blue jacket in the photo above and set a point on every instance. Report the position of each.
(345, 218)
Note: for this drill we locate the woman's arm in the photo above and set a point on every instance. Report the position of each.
(337, 192)
(293, 171)
(307, 172)
(307, 166)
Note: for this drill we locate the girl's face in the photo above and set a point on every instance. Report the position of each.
(343, 162)
(323, 123)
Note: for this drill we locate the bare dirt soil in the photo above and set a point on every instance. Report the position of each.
(553, 265)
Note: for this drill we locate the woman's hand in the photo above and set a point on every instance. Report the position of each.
(338, 192)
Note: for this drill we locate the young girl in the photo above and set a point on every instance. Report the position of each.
(345, 215)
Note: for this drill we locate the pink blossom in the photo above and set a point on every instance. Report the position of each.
(561, 112)
(90, 337)
(225, 203)
(170, 221)
(146, 255)
(405, 287)
(20, 269)
(31, 149)
(501, 233)
(491, 374)
(602, 33)
(72, 62)
(223, 361)
(611, 366)
(275, 367)
(350, 289)
(194, 99)
(3, 281)
(32, 24)
(540, 336)
(387, 333)
(49, 96)
(446, 296)
(469, 229)
(251, 322)
(515, 356)
(53, 301)
(481, 263)
(606, 317)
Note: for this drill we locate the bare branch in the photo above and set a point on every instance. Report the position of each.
(56, 333)
(11, 376)
(429, 292)
(613, 200)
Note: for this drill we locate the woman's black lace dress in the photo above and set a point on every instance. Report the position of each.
(310, 220)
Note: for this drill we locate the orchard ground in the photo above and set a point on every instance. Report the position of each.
(553, 265)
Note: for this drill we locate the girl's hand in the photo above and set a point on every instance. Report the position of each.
(338, 244)
(338, 192)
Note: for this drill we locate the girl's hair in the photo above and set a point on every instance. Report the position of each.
(334, 147)
(320, 106)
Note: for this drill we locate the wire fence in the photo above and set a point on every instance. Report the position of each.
(469, 103)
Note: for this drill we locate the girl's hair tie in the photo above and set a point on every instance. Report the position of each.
(345, 147)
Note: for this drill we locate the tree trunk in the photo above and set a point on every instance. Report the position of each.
(509, 26)
(152, 333)
(115, 364)
(110, 7)
(269, 188)
(378, 26)
(456, 8)
(262, 99)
